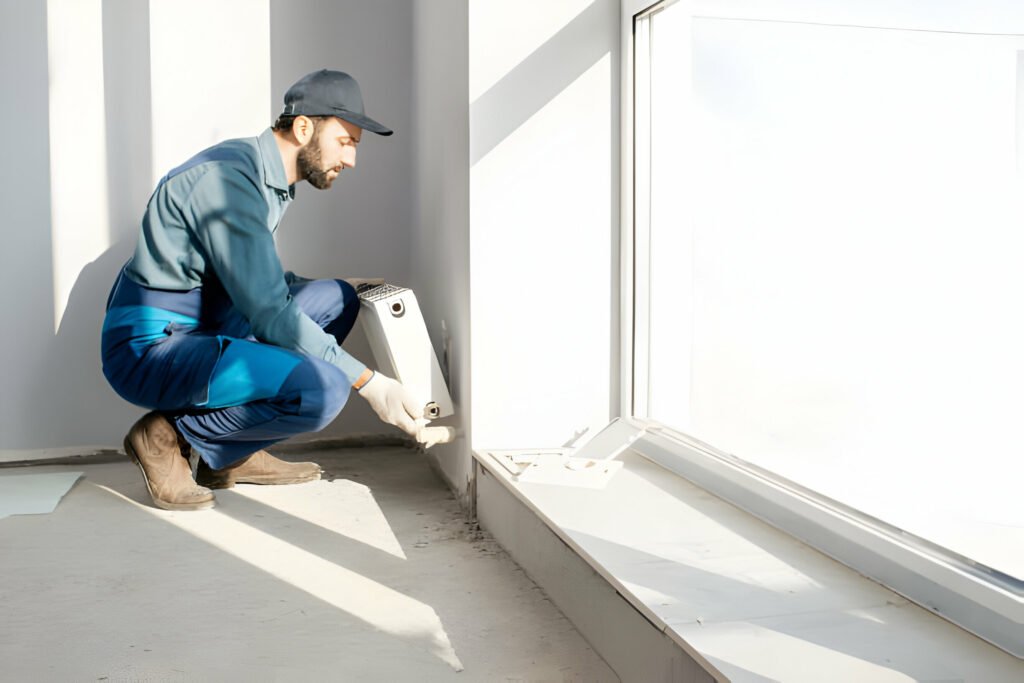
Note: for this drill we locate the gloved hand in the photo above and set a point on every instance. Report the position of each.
(428, 436)
(392, 402)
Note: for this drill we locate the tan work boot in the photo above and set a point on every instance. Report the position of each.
(259, 468)
(152, 443)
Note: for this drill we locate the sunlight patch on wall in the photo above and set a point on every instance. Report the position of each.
(541, 214)
(513, 31)
(78, 158)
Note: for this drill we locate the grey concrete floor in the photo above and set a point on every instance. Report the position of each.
(372, 574)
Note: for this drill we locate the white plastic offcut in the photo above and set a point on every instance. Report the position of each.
(398, 338)
(591, 464)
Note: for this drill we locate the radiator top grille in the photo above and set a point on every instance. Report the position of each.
(378, 292)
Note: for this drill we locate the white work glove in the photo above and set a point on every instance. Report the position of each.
(428, 436)
(393, 403)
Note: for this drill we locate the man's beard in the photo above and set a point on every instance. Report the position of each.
(309, 164)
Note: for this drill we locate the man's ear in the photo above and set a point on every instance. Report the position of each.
(302, 129)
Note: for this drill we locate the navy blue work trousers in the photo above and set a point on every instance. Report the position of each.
(192, 356)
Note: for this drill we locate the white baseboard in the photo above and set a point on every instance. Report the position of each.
(8, 455)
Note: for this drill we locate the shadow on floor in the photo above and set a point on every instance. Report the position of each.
(371, 574)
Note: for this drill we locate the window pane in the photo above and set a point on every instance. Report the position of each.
(835, 264)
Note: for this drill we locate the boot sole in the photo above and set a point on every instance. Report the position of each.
(205, 505)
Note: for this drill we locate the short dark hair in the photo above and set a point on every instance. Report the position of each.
(284, 122)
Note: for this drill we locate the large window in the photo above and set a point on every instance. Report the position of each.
(828, 239)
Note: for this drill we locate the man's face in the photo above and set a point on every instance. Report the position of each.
(331, 149)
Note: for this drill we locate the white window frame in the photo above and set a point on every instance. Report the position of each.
(986, 602)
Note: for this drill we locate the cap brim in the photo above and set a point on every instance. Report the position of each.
(364, 122)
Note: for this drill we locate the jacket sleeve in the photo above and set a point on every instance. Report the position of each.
(227, 213)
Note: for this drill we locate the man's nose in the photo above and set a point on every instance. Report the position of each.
(348, 158)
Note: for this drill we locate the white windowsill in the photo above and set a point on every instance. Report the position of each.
(745, 600)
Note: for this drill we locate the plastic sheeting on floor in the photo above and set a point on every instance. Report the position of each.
(34, 494)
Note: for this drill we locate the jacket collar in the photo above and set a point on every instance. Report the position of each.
(273, 167)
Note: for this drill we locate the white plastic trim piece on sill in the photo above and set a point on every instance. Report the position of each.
(982, 601)
(555, 468)
(590, 465)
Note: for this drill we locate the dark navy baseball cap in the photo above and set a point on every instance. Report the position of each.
(330, 93)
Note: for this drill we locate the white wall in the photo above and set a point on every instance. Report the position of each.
(25, 260)
(79, 218)
(515, 214)
(440, 225)
(530, 105)
(197, 104)
(56, 399)
(544, 214)
(54, 391)
(361, 226)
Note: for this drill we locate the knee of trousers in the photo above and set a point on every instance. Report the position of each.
(325, 300)
(322, 389)
(348, 293)
(348, 311)
(349, 300)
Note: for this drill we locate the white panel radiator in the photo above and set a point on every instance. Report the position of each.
(401, 347)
